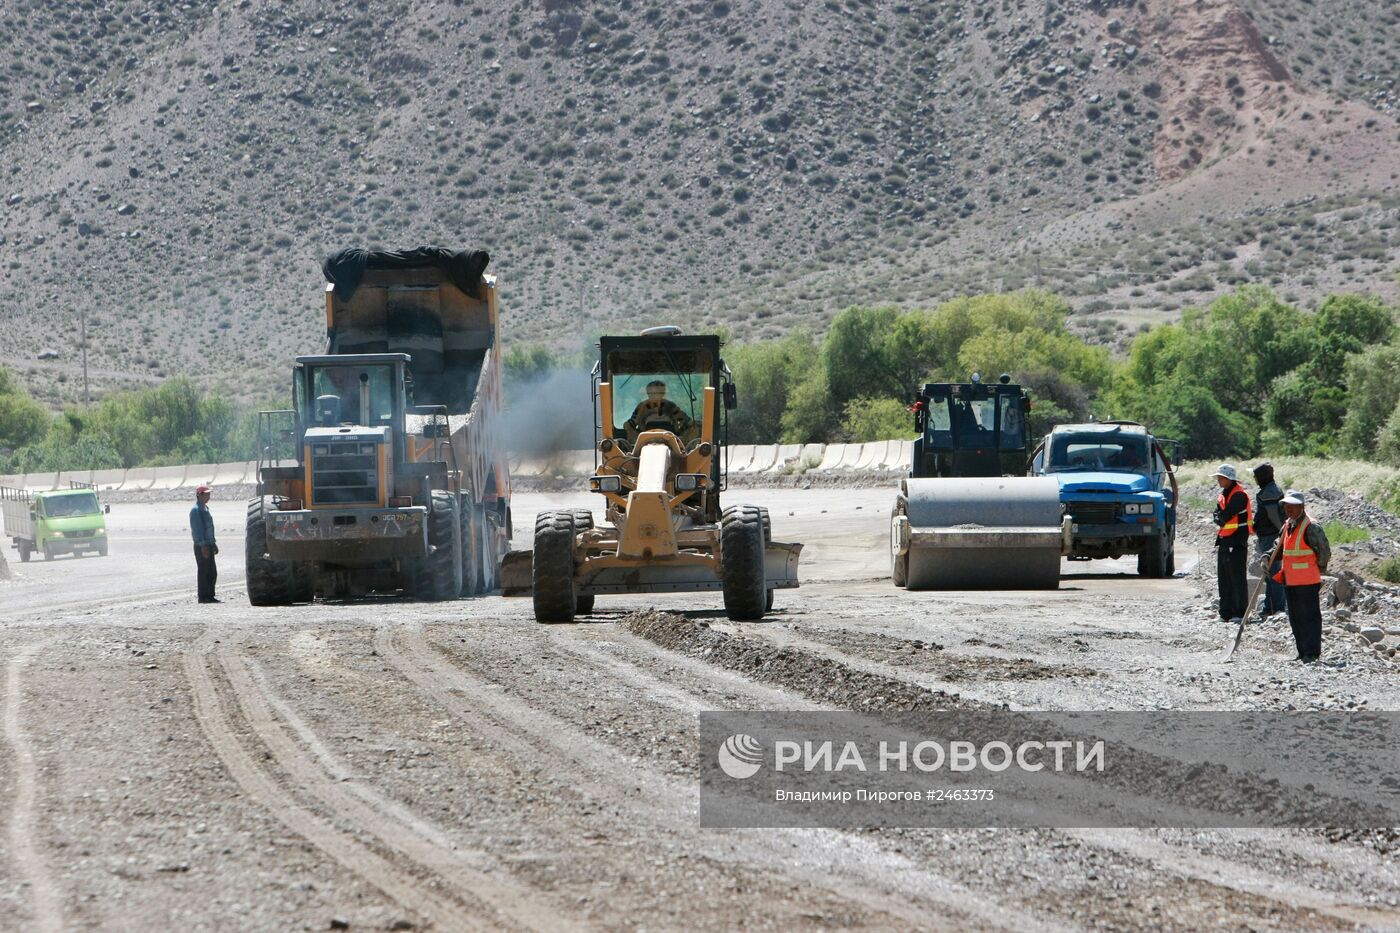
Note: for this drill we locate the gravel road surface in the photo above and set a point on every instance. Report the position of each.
(390, 765)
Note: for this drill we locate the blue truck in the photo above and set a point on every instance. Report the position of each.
(1118, 487)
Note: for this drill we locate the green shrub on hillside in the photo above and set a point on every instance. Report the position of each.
(876, 419)
(1373, 382)
(22, 420)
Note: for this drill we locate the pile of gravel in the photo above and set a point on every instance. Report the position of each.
(813, 675)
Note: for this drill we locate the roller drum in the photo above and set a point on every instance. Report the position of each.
(984, 533)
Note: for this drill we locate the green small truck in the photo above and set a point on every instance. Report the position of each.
(65, 521)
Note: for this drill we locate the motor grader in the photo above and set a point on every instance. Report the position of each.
(661, 401)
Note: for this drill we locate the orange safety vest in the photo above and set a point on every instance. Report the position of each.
(1299, 561)
(1233, 524)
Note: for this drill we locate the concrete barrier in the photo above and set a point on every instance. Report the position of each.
(40, 482)
(68, 477)
(14, 482)
(901, 459)
(580, 463)
(234, 474)
(831, 457)
(872, 455)
(811, 455)
(200, 474)
(108, 479)
(531, 466)
(763, 459)
(171, 477)
(138, 479)
(788, 455)
(739, 457)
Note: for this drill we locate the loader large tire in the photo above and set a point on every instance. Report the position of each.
(553, 574)
(438, 574)
(270, 582)
(24, 552)
(741, 563)
(469, 520)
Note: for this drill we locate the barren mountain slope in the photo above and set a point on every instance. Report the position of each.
(756, 163)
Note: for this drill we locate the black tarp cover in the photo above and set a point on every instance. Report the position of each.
(345, 268)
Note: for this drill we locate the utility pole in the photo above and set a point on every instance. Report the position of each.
(82, 332)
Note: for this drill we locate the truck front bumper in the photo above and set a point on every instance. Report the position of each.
(348, 536)
(76, 545)
(1110, 538)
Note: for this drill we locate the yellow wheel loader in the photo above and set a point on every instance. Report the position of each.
(662, 401)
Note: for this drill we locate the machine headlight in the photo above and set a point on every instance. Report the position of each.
(688, 481)
(100, 531)
(320, 450)
(56, 534)
(1131, 508)
(608, 483)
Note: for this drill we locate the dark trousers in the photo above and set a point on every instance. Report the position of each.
(1230, 568)
(1274, 598)
(208, 572)
(1305, 616)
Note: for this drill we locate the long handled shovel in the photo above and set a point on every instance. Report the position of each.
(1254, 597)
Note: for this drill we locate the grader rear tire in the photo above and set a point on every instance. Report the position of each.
(741, 563)
(553, 573)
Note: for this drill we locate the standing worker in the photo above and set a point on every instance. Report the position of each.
(1234, 523)
(1268, 522)
(1306, 554)
(202, 529)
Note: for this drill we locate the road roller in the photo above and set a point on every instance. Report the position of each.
(967, 517)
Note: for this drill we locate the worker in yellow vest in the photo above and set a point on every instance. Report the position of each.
(1234, 521)
(1306, 554)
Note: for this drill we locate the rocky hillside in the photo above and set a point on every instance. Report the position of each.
(179, 169)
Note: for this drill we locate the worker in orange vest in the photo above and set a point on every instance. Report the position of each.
(1306, 554)
(1234, 521)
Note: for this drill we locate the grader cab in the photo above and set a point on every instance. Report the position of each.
(662, 400)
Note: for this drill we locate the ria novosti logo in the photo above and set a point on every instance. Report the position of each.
(740, 756)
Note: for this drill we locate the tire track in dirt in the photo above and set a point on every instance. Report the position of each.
(607, 651)
(1223, 873)
(278, 801)
(1211, 873)
(394, 825)
(46, 901)
(891, 884)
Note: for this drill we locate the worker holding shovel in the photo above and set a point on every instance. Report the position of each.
(1306, 554)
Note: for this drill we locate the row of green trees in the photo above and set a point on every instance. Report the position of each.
(1248, 373)
(175, 422)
